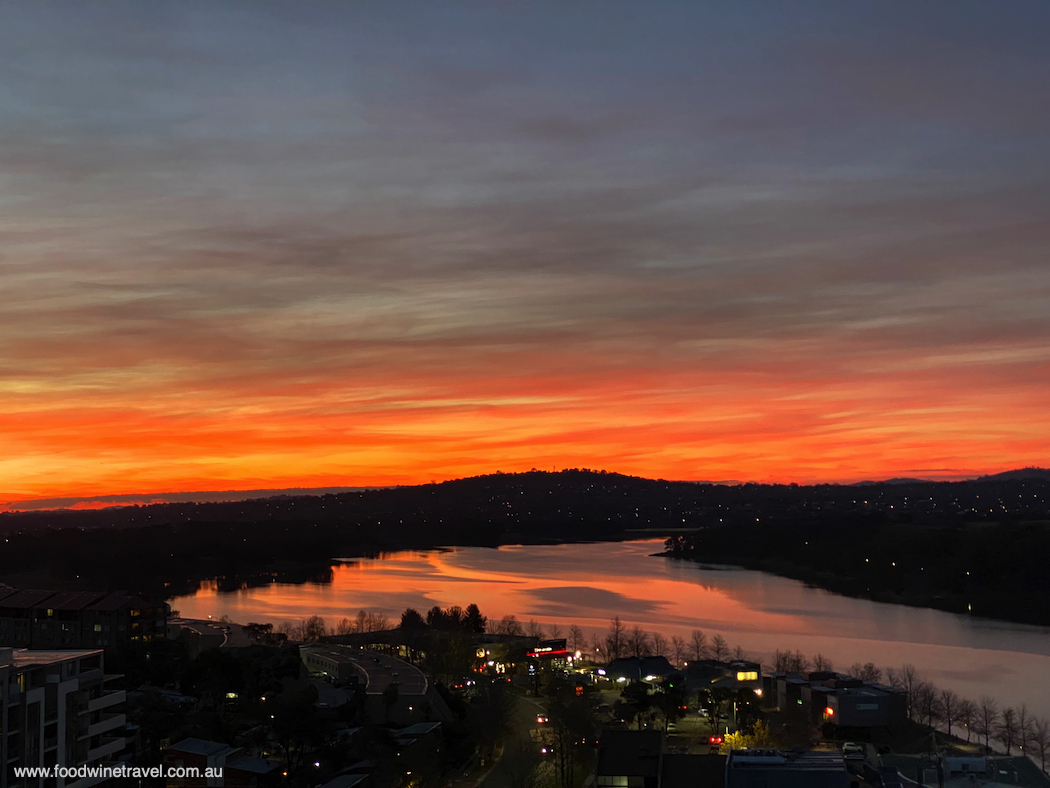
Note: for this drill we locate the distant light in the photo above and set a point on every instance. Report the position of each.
(650, 677)
(601, 671)
(829, 711)
(622, 678)
(758, 692)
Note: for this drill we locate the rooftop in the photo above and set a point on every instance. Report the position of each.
(26, 658)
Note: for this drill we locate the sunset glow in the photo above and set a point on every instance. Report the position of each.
(307, 245)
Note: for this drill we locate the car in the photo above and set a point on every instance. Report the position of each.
(852, 750)
(672, 727)
(715, 741)
(541, 719)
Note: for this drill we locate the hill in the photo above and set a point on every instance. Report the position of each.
(172, 546)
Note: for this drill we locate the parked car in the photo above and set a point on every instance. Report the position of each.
(672, 727)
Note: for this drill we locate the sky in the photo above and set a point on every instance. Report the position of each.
(272, 245)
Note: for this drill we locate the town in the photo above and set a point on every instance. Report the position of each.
(98, 684)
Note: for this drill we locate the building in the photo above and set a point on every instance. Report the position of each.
(57, 711)
(826, 697)
(627, 669)
(735, 675)
(629, 759)
(238, 769)
(78, 619)
(776, 769)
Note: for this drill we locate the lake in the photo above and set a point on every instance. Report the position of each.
(588, 584)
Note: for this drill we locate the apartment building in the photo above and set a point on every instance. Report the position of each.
(78, 619)
(56, 710)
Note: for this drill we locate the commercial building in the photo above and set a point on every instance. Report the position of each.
(230, 767)
(638, 759)
(826, 697)
(77, 619)
(57, 711)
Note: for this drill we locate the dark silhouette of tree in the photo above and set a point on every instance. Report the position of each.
(474, 621)
(1006, 730)
(987, 719)
(699, 643)
(616, 640)
(391, 695)
(967, 714)
(949, 708)
(411, 619)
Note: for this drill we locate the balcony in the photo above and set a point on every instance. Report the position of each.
(106, 699)
(107, 723)
(109, 746)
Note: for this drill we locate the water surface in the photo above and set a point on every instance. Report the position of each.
(587, 584)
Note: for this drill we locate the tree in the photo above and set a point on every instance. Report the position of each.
(638, 642)
(739, 653)
(759, 737)
(411, 619)
(534, 629)
(866, 672)
(1024, 727)
(577, 640)
(509, 625)
(474, 621)
(822, 663)
(659, 644)
(391, 694)
(719, 648)
(313, 628)
(699, 642)
(1041, 739)
(927, 703)
(1007, 728)
(986, 720)
(907, 679)
(616, 640)
(553, 631)
(966, 714)
(949, 708)
(678, 650)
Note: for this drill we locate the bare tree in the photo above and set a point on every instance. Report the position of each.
(966, 714)
(509, 625)
(866, 672)
(699, 642)
(719, 648)
(739, 653)
(1041, 739)
(821, 663)
(313, 628)
(638, 642)
(597, 644)
(533, 629)
(577, 639)
(345, 627)
(1006, 730)
(1024, 727)
(553, 631)
(908, 679)
(678, 650)
(984, 724)
(616, 640)
(926, 703)
(659, 645)
(949, 708)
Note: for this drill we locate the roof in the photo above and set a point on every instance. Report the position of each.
(117, 600)
(73, 600)
(203, 747)
(419, 729)
(691, 771)
(639, 667)
(346, 781)
(26, 658)
(25, 599)
(775, 769)
(253, 765)
(629, 753)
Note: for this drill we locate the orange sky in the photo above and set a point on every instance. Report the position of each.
(805, 246)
